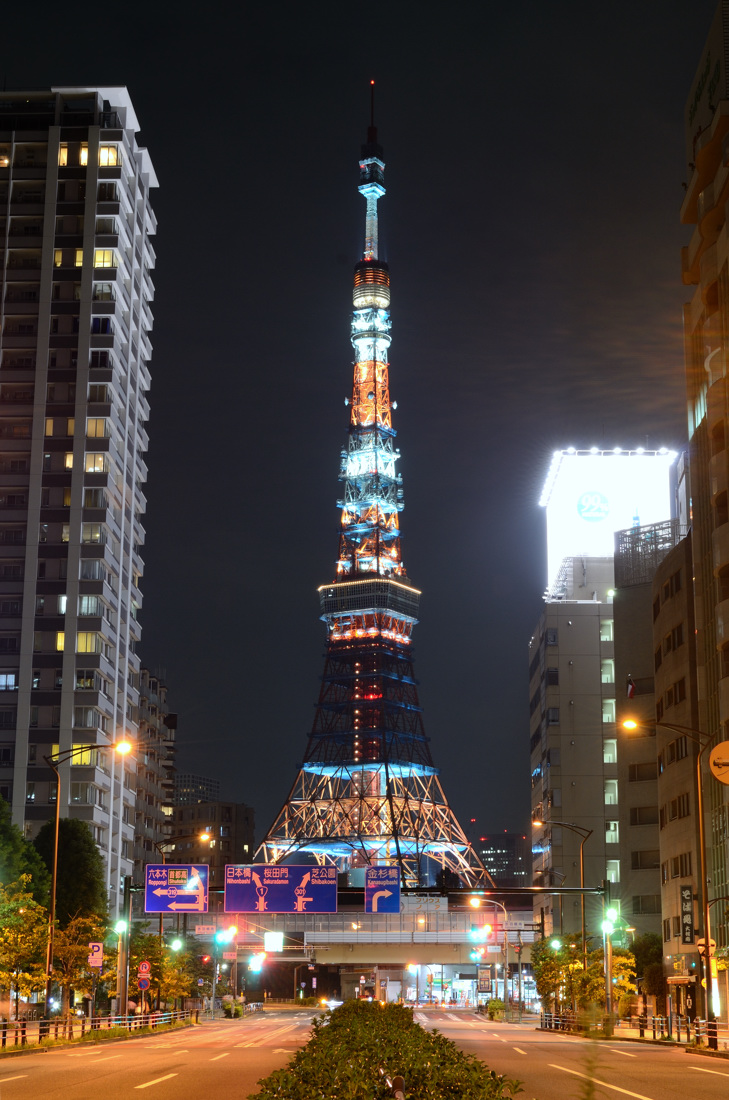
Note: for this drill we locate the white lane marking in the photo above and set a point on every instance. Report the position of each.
(110, 1058)
(450, 1016)
(218, 1056)
(85, 1053)
(603, 1084)
(273, 1035)
(18, 1078)
(716, 1071)
(520, 1050)
(622, 1052)
(156, 1081)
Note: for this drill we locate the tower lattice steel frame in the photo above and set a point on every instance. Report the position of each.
(368, 791)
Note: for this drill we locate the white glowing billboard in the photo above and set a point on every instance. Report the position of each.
(589, 495)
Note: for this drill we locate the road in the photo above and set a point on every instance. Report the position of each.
(218, 1058)
(553, 1066)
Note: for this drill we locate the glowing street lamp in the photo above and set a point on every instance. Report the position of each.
(704, 741)
(123, 748)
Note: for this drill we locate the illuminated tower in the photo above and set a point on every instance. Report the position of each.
(368, 791)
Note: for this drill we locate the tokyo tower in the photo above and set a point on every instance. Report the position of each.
(368, 791)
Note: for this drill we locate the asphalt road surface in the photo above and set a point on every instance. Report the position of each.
(553, 1066)
(221, 1058)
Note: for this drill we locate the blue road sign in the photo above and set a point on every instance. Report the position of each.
(275, 888)
(176, 888)
(382, 890)
(143, 983)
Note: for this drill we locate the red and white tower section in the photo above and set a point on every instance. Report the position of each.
(368, 791)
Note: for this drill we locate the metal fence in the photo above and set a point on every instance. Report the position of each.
(20, 1033)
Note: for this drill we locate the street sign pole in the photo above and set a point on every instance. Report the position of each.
(123, 963)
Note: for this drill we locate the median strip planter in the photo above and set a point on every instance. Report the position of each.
(352, 1044)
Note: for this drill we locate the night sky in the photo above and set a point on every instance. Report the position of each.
(534, 164)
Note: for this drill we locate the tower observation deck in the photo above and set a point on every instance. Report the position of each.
(368, 792)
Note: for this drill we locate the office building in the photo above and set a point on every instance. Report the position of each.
(189, 789)
(230, 828)
(577, 796)
(155, 760)
(77, 223)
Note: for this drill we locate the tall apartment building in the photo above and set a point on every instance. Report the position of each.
(577, 795)
(155, 771)
(76, 224)
(705, 265)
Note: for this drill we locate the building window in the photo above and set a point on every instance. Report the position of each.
(666, 929)
(105, 257)
(552, 677)
(30, 792)
(611, 792)
(647, 903)
(612, 832)
(88, 642)
(645, 861)
(96, 463)
(664, 873)
(643, 815)
(551, 635)
(612, 870)
(60, 640)
(639, 773)
(78, 260)
(109, 156)
(606, 630)
(8, 681)
(93, 534)
(83, 155)
(607, 672)
(658, 658)
(608, 710)
(610, 751)
(552, 716)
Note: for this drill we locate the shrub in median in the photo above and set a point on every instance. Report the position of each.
(351, 1044)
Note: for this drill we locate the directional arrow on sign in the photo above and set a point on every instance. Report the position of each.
(377, 896)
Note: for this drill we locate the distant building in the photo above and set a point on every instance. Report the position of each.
(230, 826)
(190, 789)
(155, 771)
(506, 857)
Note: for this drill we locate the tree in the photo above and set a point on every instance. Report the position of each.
(648, 952)
(70, 957)
(80, 889)
(592, 981)
(19, 857)
(23, 939)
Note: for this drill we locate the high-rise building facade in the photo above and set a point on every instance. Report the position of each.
(76, 222)
(705, 267)
(189, 789)
(155, 771)
(578, 798)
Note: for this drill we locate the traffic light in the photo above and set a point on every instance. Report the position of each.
(226, 935)
(176, 945)
(255, 962)
(480, 933)
(204, 959)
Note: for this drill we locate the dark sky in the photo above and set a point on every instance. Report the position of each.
(534, 165)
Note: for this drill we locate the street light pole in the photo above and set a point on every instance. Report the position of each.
(580, 830)
(122, 747)
(703, 740)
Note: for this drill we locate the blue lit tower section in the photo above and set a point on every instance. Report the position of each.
(368, 791)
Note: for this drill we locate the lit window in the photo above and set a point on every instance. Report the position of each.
(90, 605)
(108, 156)
(60, 640)
(105, 257)
(612, 868)
(96, 427)
(65, 532)
(607, 672)
(608, 710)
(57, 257)
(612, 832)
(49, 425)
(606, 630)
(30, 792)
(93, 533)
(62, 156)
(62, 605)
(609, 751)
(70, 425)
(83, 156)
(96, 463)
(611, 792)
(68, 460)
(88, 642)
(8, 681)
(79, 257)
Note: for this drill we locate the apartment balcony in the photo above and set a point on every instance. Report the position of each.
(722, 623)
(724, 699)
(718, 473)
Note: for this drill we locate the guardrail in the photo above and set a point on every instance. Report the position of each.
(677, 1028)
(20, 1033)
